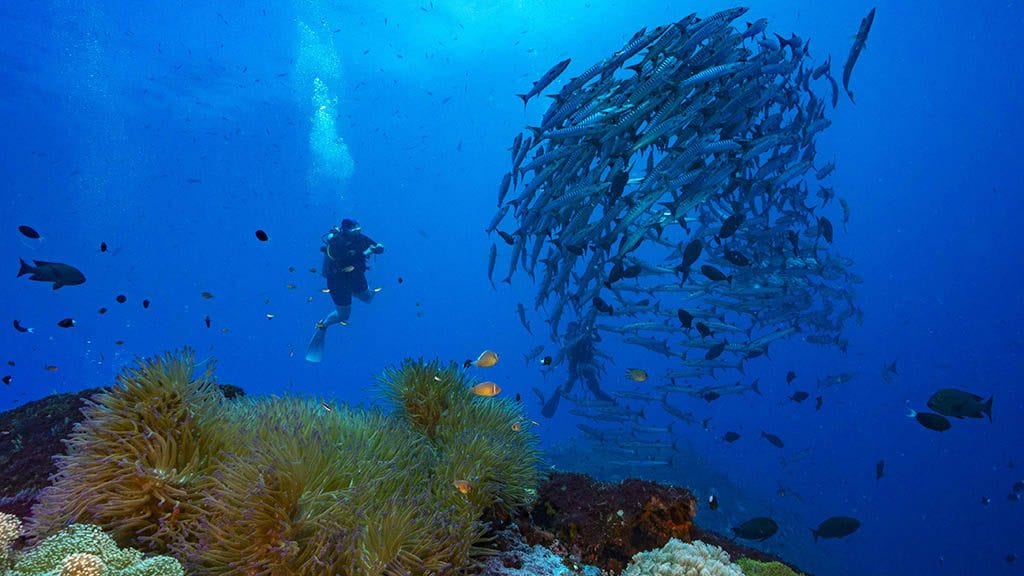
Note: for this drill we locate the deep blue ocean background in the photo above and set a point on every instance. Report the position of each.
(173, 132)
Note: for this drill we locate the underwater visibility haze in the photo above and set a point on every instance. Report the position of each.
(767, 251)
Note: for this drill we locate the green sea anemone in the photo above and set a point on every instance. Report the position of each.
(132, 464)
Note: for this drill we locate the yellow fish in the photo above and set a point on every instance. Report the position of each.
(486, 389)
(636, 374)
(486, 359)
(463, 485)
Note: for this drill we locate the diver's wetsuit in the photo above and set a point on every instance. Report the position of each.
(582, 365)
(345, 266)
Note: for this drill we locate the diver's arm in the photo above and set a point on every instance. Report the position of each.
(373, 247)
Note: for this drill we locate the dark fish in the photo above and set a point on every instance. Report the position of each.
(618, 185)
(59, 274)
(685, 318)
(545, 80)
(773, 439)
(818, 402)
(1018, 487)
(508, 238)
(713, 502)
(710, 396)
(790, 376)
(28, 232)
(10, 363)
(400, 280)
(145, 303)
(714, 274)
(103, 246)
(66, 323)
(756, 529)
(19, 327)
(545, 361)
(207, 321)
(836, 527)
(799, 396)
(262, 236)
(518, 397)
(615, 275)
(794, 239)
(731, 437)
(1011, 558)
(690, 255)
(730, 226)
(858, 45)
(7, 379)
(632, 271)
(603, 306)
(879, 469)
(102, 310)
(931, 420)
(960, 404)
(736, 258)
(121, 298)
(825, 228)
(716, 350)
(703, 329)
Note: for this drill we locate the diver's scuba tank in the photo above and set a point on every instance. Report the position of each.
(327, 237)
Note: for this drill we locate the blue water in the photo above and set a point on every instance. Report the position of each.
(174, 132)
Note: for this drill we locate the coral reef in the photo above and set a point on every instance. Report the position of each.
(289, 485)
(10, 531)
(85, 550)
(606, 524)
(32, 435)
(753, 567)
(678, 558)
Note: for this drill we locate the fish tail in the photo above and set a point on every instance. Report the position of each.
(815, 534)
(729, 278)
(525, 98)
(756, 386)
(987, 408)
(26, 268)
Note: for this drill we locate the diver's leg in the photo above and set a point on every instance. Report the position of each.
(339, 315)
(366, 295)
(595, 389)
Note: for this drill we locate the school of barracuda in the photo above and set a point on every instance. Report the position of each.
(671, 199)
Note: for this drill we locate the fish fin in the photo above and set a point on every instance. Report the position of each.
(815, 534)
(525, 98)
(756, 386)
(987, 408)
(57, 285)
(26, 268)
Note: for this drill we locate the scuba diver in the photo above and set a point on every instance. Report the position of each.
(346, 250)
(582, 354)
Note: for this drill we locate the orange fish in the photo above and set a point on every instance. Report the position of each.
(486, 389)
(463, 485)
(486, 359)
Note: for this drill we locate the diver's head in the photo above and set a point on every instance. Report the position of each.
(350, 225)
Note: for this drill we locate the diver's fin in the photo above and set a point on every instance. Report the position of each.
(315, 352)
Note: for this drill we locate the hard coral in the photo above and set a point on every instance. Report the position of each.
(133, 462)
(10, 531)
(679, 558)
(605, 524)
(753, 567)
(84, 550)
